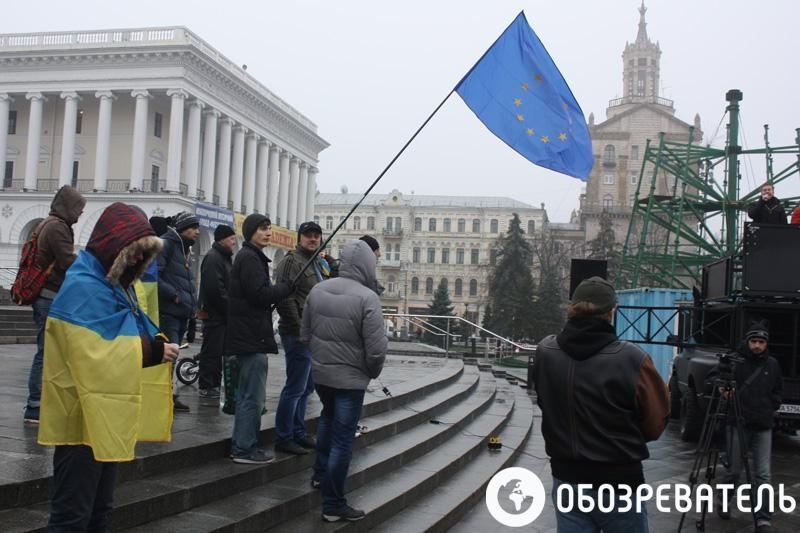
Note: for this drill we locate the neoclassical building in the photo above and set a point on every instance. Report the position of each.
(151, 116)
(425, 239)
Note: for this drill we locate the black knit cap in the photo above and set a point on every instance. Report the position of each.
(252, 223)
(309, 227)
(597, 291)
(758, 330)
(223, 231)
(372, 241)
(185, 220)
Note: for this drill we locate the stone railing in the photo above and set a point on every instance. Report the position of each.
(641, 100)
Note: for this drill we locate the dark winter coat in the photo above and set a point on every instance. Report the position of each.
(291, 309)
(215, 273)
(602, 400)
(769, 212)
(56, 242)
(251, 295)
(175, 278)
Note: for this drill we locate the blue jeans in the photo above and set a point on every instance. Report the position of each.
(759, 445)
(291, 413)
(577, 521)
(341, 409)
(84, 491)
(41, 308)
(249, 403)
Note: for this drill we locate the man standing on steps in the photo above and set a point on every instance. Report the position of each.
(290, 427)
(602, 400)
(343, 325)
(56, 246)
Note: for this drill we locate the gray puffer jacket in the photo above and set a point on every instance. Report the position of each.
(343, 322)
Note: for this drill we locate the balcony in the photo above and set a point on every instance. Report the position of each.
(386, 263)
(641, 100)
(392, 232)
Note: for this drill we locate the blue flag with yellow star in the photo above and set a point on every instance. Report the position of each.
(517, 91)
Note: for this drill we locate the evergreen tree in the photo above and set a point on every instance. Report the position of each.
(548, 315)
(605, 246)
(442, 306)
(511, 286)
(488, 320)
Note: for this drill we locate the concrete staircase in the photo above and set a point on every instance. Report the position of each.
(17, 325)
(424, 455)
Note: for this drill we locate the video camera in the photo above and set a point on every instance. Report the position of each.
(727, 365)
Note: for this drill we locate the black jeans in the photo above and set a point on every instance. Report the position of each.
(211, 355)
(84, 491)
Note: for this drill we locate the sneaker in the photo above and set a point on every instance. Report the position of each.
(308, 442)
(343, 513)
(31, 415)
(210, 394)
(178, 406)
(257, 457)
(290, 446)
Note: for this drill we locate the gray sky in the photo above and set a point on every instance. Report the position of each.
(368, 72)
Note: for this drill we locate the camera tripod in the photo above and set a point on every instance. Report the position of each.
(709, 446)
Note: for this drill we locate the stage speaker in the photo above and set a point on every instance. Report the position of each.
(770, 260)
(580, 269)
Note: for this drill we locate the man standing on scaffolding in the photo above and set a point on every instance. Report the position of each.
(767, 209)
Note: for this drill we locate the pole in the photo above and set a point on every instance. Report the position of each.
(734, 96)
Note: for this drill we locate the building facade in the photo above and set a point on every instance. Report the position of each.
(425, 239)
(155, 117)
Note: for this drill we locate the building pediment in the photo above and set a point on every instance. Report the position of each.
(639, 109)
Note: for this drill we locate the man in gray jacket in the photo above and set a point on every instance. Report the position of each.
(344, 359)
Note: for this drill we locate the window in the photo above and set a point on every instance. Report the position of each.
(462, 225)
(415, 285)
(429, 286)
(459, 287)
(634, 151)
(356, 223)
(609, 155)
(642, 62)
(396, 252)
(608, 179)
(79, 122)
(344, 225)
(444, 282)
(415, 255)
(9, 175)
(446, 225)
(476, 225)
(608, 201)
(388, 251)
(328, 223)
(12, 122)
(398, 224)
(473, 287)
(155, 170)
(157, 124)
(431, 255)
(459, 256)
(473, 256)
(431, 224)
(492, 257)
(74, 181)
(389, 223)
(316, 219)
(391, 284)
(371, 223)
(634, 179)
(445, 256)
(630, 83)
(531, 227)
(640, 81)
(494, 227)
(418, 224)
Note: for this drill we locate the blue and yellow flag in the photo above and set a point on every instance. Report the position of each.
(517, 91)
(147, 291)
(94, 389)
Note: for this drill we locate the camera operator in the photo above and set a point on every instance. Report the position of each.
(758, 386)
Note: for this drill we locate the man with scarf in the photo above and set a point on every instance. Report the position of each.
(98, 399)
(602, 400)
(768, 208)
(758, 392)
(290, 427)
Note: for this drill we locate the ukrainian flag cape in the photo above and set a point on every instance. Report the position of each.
(94, 389)
(147, 292)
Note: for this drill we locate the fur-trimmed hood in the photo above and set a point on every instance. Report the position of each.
(149, 247)
(118, 227)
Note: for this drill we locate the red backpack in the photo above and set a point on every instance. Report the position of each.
(30, 276)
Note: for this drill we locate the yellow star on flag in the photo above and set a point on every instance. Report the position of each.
(517, 102)
(563, 136)
(520, 118)
(530, 131)
(538, 77)
(525, 86)
(545, 139)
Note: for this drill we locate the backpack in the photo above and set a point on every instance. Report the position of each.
(30, 277)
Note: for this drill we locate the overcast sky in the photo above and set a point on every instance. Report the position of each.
(368, 72)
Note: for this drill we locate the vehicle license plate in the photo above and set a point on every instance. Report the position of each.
(789, 408)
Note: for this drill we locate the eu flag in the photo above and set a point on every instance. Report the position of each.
(517, 91)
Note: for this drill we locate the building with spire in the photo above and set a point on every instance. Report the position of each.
(619, 142)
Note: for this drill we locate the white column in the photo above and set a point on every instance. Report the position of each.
(68, 137)
(103, 140)
(262, 167)
(175, 145)
(5, 104)
(237, 167)
(34, 140)
(139, 139)
(209, 154)
(283, 189)
(250, 173)
(312, 192)
(294, 185)
(192, 170)
(223, 162)
(273, 179)
(302, 193)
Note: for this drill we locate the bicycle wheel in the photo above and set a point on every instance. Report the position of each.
(187, 370)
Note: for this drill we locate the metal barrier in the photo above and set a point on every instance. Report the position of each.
(7, 276)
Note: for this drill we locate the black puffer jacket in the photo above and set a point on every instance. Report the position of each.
(760, 398)
(175, 278)
(767, 212)
(215, 274)
(250, 297)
